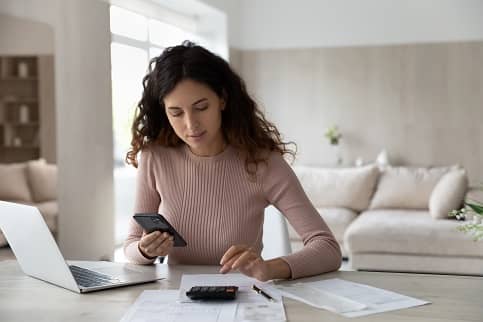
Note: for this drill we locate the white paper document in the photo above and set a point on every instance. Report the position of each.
(174, 306)
(251, 306)
(347, 298)
(161, 306)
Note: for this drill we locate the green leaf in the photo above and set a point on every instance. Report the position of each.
(476, 208)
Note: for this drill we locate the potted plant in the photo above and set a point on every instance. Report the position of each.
(332, 133)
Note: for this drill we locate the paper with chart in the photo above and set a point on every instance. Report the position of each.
(348, 298)
(161, 306)
(251, 306)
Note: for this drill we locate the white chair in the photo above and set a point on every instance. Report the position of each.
(276, 242)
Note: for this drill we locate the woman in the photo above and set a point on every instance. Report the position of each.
(210, 163)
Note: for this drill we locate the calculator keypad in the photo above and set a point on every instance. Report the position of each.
(212, 292)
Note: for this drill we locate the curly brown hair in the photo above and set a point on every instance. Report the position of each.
(243, 124)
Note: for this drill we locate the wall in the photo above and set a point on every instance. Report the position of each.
(83, 120)
(25, 37)
(231, 10)
(271, 24)
(400, 75)
(423, 103)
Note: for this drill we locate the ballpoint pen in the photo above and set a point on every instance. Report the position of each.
(262, 292)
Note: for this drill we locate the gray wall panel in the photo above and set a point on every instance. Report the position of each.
(423, 103)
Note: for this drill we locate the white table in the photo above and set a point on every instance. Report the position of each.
(22, 298)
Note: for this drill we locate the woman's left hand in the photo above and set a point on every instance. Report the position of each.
(244, 259)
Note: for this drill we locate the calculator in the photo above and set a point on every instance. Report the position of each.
(212, 292)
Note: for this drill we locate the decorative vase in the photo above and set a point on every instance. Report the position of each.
(382, 159)
(336, 155)
(23, 114)
(17, 142)
(359, 162)
(23, 69)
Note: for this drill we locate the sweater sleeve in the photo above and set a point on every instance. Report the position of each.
(321, 252)
(147, 201)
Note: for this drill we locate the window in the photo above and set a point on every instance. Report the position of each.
(163, 35)
(128, 24)
(128, 66)
(135, 40)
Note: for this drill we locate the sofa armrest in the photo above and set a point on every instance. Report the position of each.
(475, 194)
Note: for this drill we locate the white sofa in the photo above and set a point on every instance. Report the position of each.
(395, 219)
(32, 183)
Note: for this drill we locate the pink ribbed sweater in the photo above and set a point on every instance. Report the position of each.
(213, 204)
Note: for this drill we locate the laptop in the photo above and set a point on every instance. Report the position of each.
(38, 256)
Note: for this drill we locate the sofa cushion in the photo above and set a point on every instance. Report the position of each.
(448, 194)
(475, 194)
(408, 232)
(14, 184)
(42, 179)
(338, 219)
(339, 188)
(406, 188)
(49, 211)
(462, 265)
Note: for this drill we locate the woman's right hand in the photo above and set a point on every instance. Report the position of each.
(155, 244)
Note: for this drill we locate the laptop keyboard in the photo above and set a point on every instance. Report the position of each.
(87, 278)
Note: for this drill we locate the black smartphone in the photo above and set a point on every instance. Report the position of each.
(152, 222)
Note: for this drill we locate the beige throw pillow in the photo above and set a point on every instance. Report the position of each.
(448, 194)
(43, 180)
(406, 188)
(348, 187)
(3, 241)
(13, 183)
